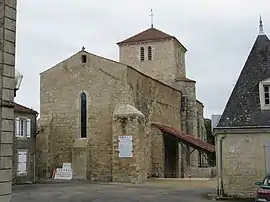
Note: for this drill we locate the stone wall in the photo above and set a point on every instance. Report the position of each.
(203, 161)
(168, 65)
(202, 172)
(164, 66)
(60, 88)
(187, 87)
(157, 149)
(180, 60)
(43, 155)
(200, 121)
(128, 121)
(160, 103)
(107, 83)
(80, 153)
(7, 85)
(243, 158)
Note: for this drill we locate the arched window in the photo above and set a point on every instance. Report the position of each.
(142, 53)
(149, 53)
(83, 115)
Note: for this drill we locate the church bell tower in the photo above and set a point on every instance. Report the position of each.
(155, 53)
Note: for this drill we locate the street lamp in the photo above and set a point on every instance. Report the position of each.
(18, 81)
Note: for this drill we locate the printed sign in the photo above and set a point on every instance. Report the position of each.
(232, 149)
(125, 146)
(63, 174)
(66, 165)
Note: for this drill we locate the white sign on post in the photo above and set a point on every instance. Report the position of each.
(125, 146)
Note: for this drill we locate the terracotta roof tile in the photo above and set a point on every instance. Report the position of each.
(149, 35)
(186, 138)
(21, 108)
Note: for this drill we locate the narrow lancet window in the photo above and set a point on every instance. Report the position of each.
(83, 115)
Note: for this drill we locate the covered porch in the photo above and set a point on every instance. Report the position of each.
(178, 148)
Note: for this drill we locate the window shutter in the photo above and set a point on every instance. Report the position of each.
(19, 169)
(17, 125)
(28, 128)
(22, 163)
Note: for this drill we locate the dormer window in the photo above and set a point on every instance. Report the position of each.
(149, 53)
(264, 93)
(142, 53)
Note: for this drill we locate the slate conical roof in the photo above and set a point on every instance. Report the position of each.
(243, 107)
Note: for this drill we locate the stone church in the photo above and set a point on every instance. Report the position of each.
(89, 104)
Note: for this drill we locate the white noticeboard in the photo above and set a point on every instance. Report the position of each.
(63, 174)
(125, 146)
(66, 165)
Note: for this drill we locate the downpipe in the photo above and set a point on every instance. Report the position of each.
(34, 167)
(220, 177)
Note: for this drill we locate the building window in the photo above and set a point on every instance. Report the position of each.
(23, 127)
(83, 115)
(83, 58)
(149, 53)
(142, 53)
(22, 163)
(266, 95)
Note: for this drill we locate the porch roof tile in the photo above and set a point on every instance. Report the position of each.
(186, 137)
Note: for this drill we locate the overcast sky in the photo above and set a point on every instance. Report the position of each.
(217, 33)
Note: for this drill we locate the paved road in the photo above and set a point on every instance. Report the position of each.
(86, 192)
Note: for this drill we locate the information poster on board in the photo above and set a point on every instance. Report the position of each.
(125, 146)
(64, 173)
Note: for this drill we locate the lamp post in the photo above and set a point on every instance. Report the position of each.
(18, 81)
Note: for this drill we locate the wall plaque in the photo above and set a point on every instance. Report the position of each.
(125, 146)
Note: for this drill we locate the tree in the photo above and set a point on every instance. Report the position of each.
(209, 134)
(210, 140)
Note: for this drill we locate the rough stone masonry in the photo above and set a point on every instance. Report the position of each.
(7, 85)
